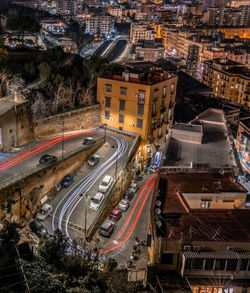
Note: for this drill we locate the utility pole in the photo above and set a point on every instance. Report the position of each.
(85, 213)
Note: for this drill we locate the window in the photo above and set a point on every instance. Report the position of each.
(220, 264)
(108, 88)
(107, 115)
(164, 92)
(209, 264)
(205, 204)
(188, 264)
(167, 258)
(154, 110)
(172, 88)
(123, 91)
(197, 264)
(232, 265)
(122, 106)
(139, 123)
(155, 95)
(121, 118)
(244, 263)
(107, 102)
(140, 110)
(141, 97)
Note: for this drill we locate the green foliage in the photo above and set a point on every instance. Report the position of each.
(23, 24)
(53, 248)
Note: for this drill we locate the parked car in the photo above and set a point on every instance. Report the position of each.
(57, 187)
(107, 228)
(89, 140)
(129, 194)
(96, 201)
(105, 184)
(47, 159)
(115, 214)
(139, 178)
(134, 186)
(153, 169)
(67, 180)
(44, 212)
(93, 160)
(38, 228)
(124, 205)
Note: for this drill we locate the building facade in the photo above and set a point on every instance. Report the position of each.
(228, 80)
(139, 104)
(243, 143)
(141, 31)
(101, 24)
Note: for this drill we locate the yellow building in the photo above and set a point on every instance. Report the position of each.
(139, 103)
(228, 80)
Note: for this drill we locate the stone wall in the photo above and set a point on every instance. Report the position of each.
(30, 189)
(84, 118)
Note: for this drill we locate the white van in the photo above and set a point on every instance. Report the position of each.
(105, 184)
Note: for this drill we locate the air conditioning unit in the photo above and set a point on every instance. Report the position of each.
(187, 247)
(131, 125)
(197, 248)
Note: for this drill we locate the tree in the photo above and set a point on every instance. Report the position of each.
(44, 70)
(23, 24)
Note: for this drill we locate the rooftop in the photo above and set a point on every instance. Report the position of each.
(7, 103)
(215, 150)
(148, 78)
(198, 224)
(246, 122)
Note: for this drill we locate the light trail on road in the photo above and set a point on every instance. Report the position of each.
(72, 197)
(37, 149)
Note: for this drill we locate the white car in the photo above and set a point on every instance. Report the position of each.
(44, 212)
(105, 184)
(134, 186)
(96, 201)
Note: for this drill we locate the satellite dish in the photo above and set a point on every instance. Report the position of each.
(158, 224)
(158, 211)
(158, 203)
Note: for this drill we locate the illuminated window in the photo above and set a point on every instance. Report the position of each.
(107, 115)
(122, 106)
(205, 204)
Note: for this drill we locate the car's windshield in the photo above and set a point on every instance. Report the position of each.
(92, 159)
(124, 202)
(105, 183)
(42, 212)
(95, 200)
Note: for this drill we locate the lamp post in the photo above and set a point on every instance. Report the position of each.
(116, 163)
(85, 213)
(62, 130)
(105, 129)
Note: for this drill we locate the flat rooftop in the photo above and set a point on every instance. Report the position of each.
(188, 127)
(215, 151)
(7, 103)
(198, 224)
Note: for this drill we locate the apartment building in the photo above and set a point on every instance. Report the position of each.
(102, 24)
(243, 142)
(150, 50)
(228, 80)
(142, 31)
(199, 220)
(139, 103)
(69, 7)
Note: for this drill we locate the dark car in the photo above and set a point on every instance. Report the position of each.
(67, 180)
(93, 160)
(115, 215)
(47, 159)
(129, 194)
(37, 228)
(106, 228)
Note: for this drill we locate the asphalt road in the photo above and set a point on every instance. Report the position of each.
(27, 157)
(117, 50)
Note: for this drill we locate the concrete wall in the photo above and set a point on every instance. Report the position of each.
(32, 188)
(74, 120)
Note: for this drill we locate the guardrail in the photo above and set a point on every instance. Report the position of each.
(25, 174)
(105, 208)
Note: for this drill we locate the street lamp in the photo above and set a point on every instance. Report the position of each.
(105, 128)
(116, 163)
(62, 130)
(85, 213)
